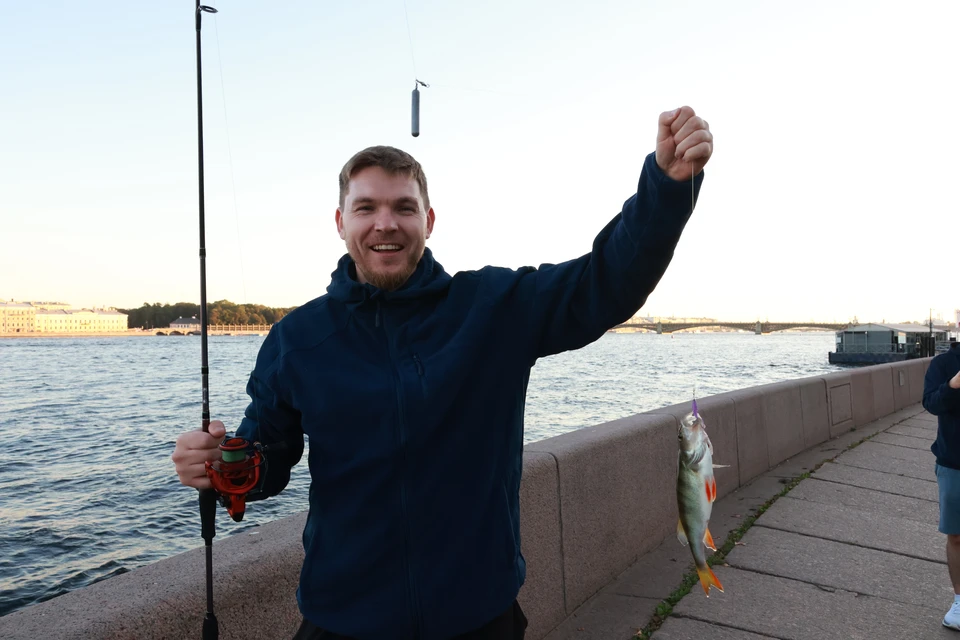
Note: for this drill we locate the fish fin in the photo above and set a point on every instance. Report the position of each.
(711, 488)
(681, 534)
(708, 578)
(708, 540)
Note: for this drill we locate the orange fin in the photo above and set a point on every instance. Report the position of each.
(707, 578)
(711, 487)
(708, 540)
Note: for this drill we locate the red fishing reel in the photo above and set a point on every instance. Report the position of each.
(235, 474)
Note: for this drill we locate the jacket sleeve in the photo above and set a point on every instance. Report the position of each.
(271, 420)
(938, 397)
(575, 302)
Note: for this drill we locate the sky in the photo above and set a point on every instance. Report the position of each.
(828, 195)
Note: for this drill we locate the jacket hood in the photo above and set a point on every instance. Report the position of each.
(428, 279)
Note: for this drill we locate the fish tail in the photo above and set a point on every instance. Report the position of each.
(708, 578)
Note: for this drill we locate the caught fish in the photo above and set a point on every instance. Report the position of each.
(696, 492)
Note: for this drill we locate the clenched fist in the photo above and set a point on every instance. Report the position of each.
(193, 449)
(684, 143)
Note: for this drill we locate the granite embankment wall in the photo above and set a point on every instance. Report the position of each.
(593, 501)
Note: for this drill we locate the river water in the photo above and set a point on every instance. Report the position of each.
(88, 490)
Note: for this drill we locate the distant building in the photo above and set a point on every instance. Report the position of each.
(875, 343)
(80, 321)
(17, 317)
(186, 323)
(57, 317)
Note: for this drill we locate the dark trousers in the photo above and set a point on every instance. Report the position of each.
(509, 625)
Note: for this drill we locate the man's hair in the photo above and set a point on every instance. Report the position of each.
(390, 159)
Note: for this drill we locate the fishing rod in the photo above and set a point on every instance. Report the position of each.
(208, 497)
(239, 467)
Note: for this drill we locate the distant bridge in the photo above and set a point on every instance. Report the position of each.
(216, 330)
(757, 327)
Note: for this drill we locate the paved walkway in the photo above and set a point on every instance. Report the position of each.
(850, 552)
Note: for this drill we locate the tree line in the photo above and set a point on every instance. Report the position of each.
(159, 316)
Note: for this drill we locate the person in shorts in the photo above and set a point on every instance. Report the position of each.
(941, 397)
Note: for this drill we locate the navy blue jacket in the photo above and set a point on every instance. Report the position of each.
(413, 403)
(944, 402)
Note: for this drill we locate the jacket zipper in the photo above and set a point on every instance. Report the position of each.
(423, 381)
(398, 385)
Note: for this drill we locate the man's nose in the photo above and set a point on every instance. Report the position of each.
(385, 220)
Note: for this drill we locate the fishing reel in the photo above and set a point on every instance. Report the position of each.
(236, 473)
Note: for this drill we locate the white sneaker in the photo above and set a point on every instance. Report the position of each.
(952, 619)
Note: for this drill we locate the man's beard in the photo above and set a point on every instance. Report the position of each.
(391, 280)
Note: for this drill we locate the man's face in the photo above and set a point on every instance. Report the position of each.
(384, 226)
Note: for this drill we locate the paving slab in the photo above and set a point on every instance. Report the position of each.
(925, 489)
(927, 433)
(792, 610)
(843, 566)
(689, 629)
(924, 417)
(853, 526)
(894, 452)
(611, 617)
(655, 575)
(890, 459)
(747, 499)
(907, 413)
(807, 460)
(897, 440)
(875, 502)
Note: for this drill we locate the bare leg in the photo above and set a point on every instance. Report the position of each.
(953, 561)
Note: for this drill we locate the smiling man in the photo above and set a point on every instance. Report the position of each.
(384, 216)
(411, 382)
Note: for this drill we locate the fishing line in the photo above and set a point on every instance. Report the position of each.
(693, 202)
(233, 182)
(410, 37)
(415, 96)
(693, 192)
(243, 281)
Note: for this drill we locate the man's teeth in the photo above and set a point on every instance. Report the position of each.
(386, 247)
